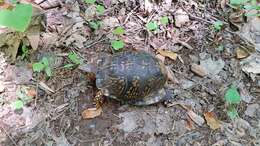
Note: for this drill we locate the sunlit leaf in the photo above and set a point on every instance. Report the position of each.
(232, 113)
(18, 104)
(100, 9)
(218, 25)
(90, 1)
(38, 67)
(232, 96)
(164, 20)
(48, 71)
(118, 44)
(18, 18)
(151, 26)
(74, 58)
(119, 31)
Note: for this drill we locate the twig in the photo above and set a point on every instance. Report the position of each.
(10, 137)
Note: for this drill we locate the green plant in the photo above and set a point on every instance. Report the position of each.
(152, 26)
(246, 5)
(43, 65)
(100, 9)
(18, 18)
(117, 44)
(25, 52)
(119, 31)
(218, 25)
(164, 20)
(23, 98)
(90, 1)
(17, 104)
(232, 98)
(74, 58)
(95, 24)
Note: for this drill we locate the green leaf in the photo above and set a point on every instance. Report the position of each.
(151, 26)
(45, 61)
(38, 67)
(218, 25)
(69, 65)
(18, 104)
(100, 9)
(119, 31)
(18, 19)
(164, 20)
(48, 71)
(232, 96)
(232, 113)
(118, 44)
(74, 58)
(94, 25)
(237, 2)
(90, 1)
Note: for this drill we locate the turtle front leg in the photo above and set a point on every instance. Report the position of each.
(98, 99)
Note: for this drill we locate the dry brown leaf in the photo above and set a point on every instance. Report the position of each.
(46, 87)
(91, 113)
(198, 70)
(31, 92)
(170, 76)
(241, 53)
(169, 54)
(196, 118)
(189, 124)
(211, 120)
(160, 57)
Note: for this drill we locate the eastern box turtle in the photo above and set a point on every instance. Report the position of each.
(135, 77)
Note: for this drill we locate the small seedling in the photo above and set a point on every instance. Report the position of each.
(21, 17)
(74, 58)
(94, 24)
(151, 26)
(164, 20)
(117, 45)
(220, 48)
(119, 31)
(17, 104)
(218, 25)
(90, 1)
(25, 52)
(100, 9)
(233, 98)
(43, 65)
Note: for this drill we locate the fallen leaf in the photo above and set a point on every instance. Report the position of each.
(211, 120)
(251, 64)
(31, 92)
(46, 87)
(241, 53)
(91, 113)
(169, 54)
(189, 124)
(196, 118)
(2, 87)
(170, 75)
(198, 70)
(181, 18)
(160, 57)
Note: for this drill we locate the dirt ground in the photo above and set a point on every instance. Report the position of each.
(208, 62)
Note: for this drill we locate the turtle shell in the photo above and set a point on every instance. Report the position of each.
(130, 76)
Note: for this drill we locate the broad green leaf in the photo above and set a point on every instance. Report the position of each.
(69, 65)
(151, 26)
(38, 67)
(90, 1)
(164, 20)
(18, 19)
(45, 61)
(100, 9)
(74, 58)
(48, 71)
(218, 25)
(119, 44)
(18, 104)
(119, 31)
(232, 96)
(232, 113)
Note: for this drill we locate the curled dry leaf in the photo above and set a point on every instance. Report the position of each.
(241, 53)
(196, 118)
(169, 54)
(91, 113)
(211, 120)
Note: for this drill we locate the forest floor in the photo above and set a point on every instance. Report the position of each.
(211, 50)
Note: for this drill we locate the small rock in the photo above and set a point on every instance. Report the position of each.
(251, 110)
(198, 70)
(212, 67)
